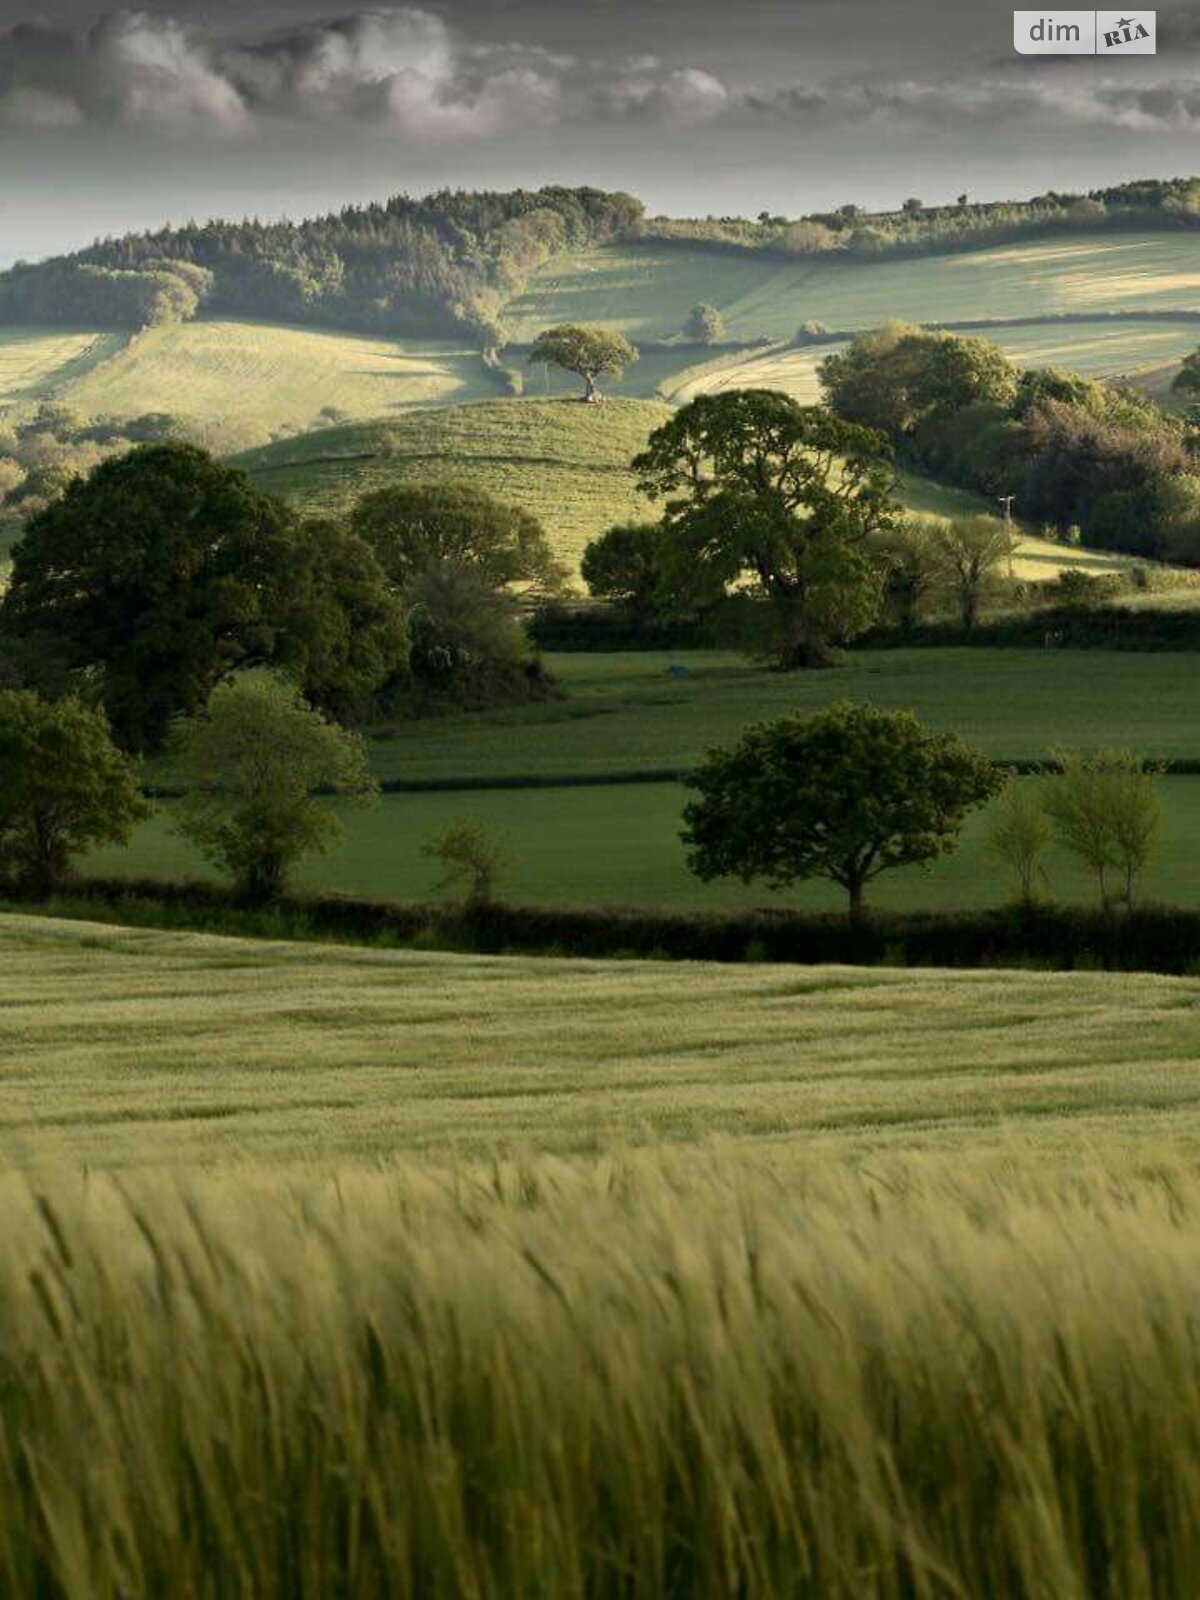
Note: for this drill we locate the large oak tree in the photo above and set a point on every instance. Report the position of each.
(759, 488)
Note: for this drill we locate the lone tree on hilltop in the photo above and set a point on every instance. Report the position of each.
(845, 796)
(590, 352)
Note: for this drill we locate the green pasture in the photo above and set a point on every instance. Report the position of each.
(34, 360)
(625, 712)
(647, 291)
(618, 844)
(266, 375)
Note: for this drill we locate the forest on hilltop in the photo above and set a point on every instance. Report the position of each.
(446, 264)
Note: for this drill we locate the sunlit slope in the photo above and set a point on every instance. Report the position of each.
(568, 463)
(33, 361)
(269, 375)
(648, 291)
(1100, 349)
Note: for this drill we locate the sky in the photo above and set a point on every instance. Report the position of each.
(112, 119)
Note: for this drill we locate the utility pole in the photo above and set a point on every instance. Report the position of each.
(1006, 500)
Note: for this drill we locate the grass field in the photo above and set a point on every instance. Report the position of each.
(269, 375)
(623, 712)
(649, 291)
(619, 845)
(624, 715)
(567, 463)
(35, 360)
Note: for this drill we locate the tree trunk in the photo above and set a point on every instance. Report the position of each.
(857, 913)
(592, 394)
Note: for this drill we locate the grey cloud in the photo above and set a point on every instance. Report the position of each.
(402, 68)
(1054, 101)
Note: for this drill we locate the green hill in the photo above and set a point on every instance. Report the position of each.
(250, 379)
(269, 375)
(33, 361)
(566, 462)
(646, 291)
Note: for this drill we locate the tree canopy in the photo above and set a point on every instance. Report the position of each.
(756, 486)
(64, 787)
(255, 762)
(158, 574)
(412, 527)
(590, 352)
(845, 795)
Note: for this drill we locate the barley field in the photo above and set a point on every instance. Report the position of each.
(130, 1047)
(652, 1376)
(352, 1272)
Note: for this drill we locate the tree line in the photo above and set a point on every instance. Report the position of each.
(442, 265)
(1074, 453)
(144, 585)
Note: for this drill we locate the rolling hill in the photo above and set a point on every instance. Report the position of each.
(646, 291)
(257, 378)
(567, 463)
(269, 375)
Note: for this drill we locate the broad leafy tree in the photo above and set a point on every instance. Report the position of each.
(705, 325)
(844, 795)
(342, 631)
(762, 489)
(412, 527)
(255, 764)
(592, 353)
(156, 575)
(64, 787)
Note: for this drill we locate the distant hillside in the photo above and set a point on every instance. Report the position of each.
(451, 261)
